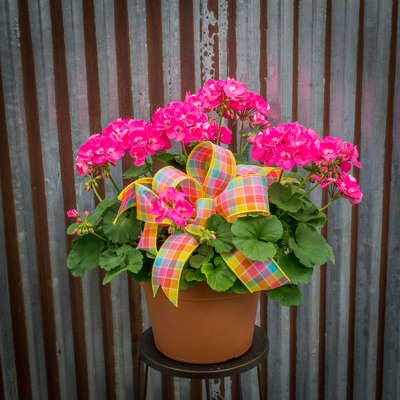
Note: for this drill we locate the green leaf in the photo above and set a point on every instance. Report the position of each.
(110, 259)
(294, 269)
(296, 175)
(280, 195)
(126, 229)
(111, 274)
(133, 260)
(310, 247)
(241, 159)
(135, 171)
(238, 287)
(72, 227)
(219, 277)
(195, 275)
(223, 233)
(204, 254)
(176, 160)
(73, 266)
(288, 295)
(101, 209)
(255, 236)
(310, 215)
(86, 251)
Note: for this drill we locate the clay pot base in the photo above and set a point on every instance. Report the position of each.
(207, 327)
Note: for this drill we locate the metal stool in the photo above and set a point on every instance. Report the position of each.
(149, 354)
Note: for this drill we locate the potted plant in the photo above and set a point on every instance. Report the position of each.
(210, 223)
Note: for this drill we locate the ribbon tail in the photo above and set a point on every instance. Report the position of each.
(255, 275)
(169, 263)
(148, 240)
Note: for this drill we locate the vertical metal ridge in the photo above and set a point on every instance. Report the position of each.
(39, 203)
(232, 60)
(125, 105)
(324, 200)
(212, 5)
(354, 211)
(154, 53)
(387, 173)
(67, 177)
(263, 49)
(94, 110)
(17, 307)
(186, 39)
(263, 93)
(293, 309)
(196, 389)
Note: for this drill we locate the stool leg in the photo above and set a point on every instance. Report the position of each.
(259, 380)
(240, 386)
(208, 389)
(137, 391)
(145, 382)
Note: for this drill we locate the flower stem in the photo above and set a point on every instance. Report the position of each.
(95, 192)
(114, 184)
(219, 129)
(244, 148)
(184, 149)
(280, 176)
(323, 208)
(305, 194)
(241, 138)
(99, 236)
(148, 167)
(302, 183)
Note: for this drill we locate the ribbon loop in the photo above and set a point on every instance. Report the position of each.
(213, 166)
(244, 194)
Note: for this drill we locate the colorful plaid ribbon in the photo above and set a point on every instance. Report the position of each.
(215, 185)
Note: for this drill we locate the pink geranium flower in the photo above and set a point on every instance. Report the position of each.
(234, 89)
(182, 211)
(113, 151)
(284, 157)
(138, 154)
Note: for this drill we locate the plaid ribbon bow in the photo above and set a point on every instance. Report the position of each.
(215, 184)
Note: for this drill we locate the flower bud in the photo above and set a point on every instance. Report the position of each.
(250, 139)
(86, 213)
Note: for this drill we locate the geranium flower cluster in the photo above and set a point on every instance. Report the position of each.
(327, 159)
(172, 204)
(232, 98)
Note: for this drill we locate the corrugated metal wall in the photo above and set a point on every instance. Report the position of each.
(68, 67)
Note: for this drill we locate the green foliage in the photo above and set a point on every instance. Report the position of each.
(237, 287)
(73, 265)
(256, 236)
(101, 209)
(125, 230)
(223, 233)
(241, 159)
(310, 215)
(281, 196)
(85, 252)
(204, 254)
(310, 247)
(288, 295)
(296, 175)
(110, 259)
(135, 171)
(219, 276)
(72, 227)
(294, 269)
(133, 259)
(175, 160)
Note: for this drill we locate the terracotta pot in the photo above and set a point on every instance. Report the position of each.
(207, 326)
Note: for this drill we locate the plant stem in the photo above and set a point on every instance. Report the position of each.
(148, 167)
(219, 129)
(241, 137)
(280, 176)
(114, 184)
(323, 208)
(99, 236)
(184, 149)
(244, 148)
(302, 183)
(95, 192)
(305, 194)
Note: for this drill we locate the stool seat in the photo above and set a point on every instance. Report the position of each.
(153, 358)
